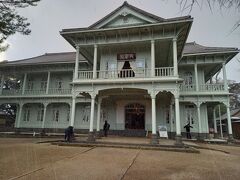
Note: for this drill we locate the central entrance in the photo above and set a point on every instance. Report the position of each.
(134, 116)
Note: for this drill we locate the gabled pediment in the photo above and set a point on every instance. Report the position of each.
(126, 15)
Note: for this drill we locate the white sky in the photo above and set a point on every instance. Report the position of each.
(51, 16)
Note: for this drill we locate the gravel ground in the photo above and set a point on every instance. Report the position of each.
(24, 159)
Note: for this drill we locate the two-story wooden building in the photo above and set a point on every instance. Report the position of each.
(131, 68)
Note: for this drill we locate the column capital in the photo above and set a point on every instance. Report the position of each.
(77, 47)
(152, 41)
(95, 45)
(174, 39)
(93, 95)
(45, 104)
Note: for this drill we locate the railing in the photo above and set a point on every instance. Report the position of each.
(34, 91)
(127, 73)
(187, 87)
(164, 71)
(59, 91)
(211, 87)
(202, 87)
(7, 92)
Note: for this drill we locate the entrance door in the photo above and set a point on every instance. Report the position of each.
(134, 116)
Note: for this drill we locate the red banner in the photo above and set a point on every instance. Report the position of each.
(126, 56)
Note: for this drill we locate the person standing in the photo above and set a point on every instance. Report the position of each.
(187, 127)
(106, 128)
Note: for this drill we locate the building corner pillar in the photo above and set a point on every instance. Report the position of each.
(214, 123)
(24, 83)
(152, 58)
(196, 77)
(199, 121)
(224, 76)
(95, 62)
(154, 138)
(178, 137)
(98, 117)
(73, 107)
(76, 63)
(229, 122)
(48, 82)
(175, 61)
(19, 115)
(2, 84)
(91, 137)
(44, 114)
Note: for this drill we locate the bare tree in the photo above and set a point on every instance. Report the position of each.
(188, 5)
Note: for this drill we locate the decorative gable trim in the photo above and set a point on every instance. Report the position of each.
(121, 10)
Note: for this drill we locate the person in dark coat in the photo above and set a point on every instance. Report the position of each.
(69, 134)
(106, 128)
(187, 127)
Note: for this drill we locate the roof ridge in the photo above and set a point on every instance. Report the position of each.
(131, 7)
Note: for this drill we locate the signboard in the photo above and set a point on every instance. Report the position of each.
(163, 131)
(126, 56)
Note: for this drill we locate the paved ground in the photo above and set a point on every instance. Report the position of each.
(24, 159)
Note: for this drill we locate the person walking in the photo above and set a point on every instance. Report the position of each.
(187, 127)
(69, 134)
(106, 128)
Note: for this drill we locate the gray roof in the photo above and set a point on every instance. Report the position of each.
(194, 48)
(69, 57)
(125, 4)
(48, 58)
(232, 113)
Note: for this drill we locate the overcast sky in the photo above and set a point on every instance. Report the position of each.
(51, 16)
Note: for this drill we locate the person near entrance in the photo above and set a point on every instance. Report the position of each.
(187, 127)
(106, 128)
(69, 134)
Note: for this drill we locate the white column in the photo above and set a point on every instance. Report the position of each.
(199, 118)
(92, 113)
(224, 76)
(196, 77)
(175, 61)
(220, 120)
(229, 121)
(152, 58)
(214, 121)
(171, 117)
(76, 63)
(177, 116)
(73, 111)
(154, 132)
(44, 115)
(95, 62)
(24, 83)
(48, 82)
(2, 83)
(19, 115)
(99, 113)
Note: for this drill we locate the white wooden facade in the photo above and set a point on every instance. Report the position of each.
(131, 68)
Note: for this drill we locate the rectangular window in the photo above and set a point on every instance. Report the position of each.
(43, 85)
(56, 115)
(26, 114)
(40, 115)
(68, 114)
